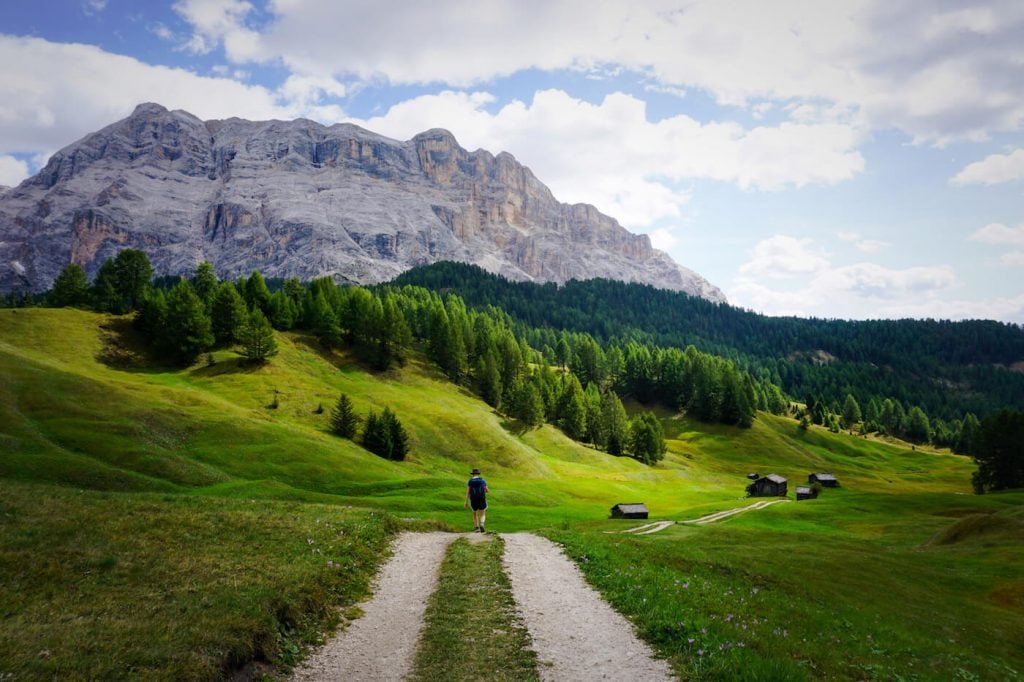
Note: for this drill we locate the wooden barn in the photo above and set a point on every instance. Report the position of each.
(771, 485)
(805, 493)
(630, 510)
(826, 480)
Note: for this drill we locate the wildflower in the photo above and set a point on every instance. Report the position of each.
(701, 653)
(310, 541)
(728, 618)
(691, 641)
(686, 585)
(703, 631)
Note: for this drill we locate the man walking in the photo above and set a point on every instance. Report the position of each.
(476, 497)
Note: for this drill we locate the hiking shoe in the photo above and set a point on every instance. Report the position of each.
(482, 529)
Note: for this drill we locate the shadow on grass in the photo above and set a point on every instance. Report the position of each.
(125, 349)
(235, 365)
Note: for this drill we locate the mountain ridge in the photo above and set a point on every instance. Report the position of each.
(296, 198)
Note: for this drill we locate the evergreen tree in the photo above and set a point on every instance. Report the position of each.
(394, 337)
(597, 433)
(918, 428)
(999, 452)
(647, 439)
(616, 422)
(528, 405)
(188, 326)
(966, 440)
(256, 292)
(151, 319)
(344, 420)
(71, 288)
(104, 290)
(573, 409)
(282, 311)
(851, 412)
(377, 436)
(257, 337)
(205, 283)
(227, 314)
(323, 322)
(132, 273)
(397, 435)
(487, 380)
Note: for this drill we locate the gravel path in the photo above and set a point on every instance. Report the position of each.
(380, 645)
(577, 636)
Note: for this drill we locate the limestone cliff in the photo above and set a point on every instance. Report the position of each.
(295, 198)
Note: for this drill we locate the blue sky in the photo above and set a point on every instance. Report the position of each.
(855, 159)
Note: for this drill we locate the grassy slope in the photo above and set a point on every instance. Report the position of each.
(75, 410)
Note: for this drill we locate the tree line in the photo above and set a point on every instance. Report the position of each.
(948, 369)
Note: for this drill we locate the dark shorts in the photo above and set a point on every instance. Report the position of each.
(478, 505)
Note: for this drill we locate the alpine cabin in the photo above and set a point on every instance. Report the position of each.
(826, 480)
(771, 485)
(630, 510)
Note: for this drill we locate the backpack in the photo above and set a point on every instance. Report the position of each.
(477, 488)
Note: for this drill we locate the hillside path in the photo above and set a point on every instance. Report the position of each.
(718, 516)
(576, 634)
(381, 644)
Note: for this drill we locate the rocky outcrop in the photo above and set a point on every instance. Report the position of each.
(295, 198)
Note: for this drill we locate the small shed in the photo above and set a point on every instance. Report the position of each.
(826, 480)
(771, 485)
(805, 493)
(630, 510)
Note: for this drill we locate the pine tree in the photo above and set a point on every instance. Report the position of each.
(132, 273)
(596, 431)
(344, 420)
(71, 288)
(647, 438)
(282, 311)
(851, 412)
(227, 314)
(205, 283)
(104, 290)
(616, 422)
(256, 292)
(968, 436)
(918, 428)
(188, 326)
(377, 436)
(487, 380)
(257, 337)
(397, 435)
(528, 405)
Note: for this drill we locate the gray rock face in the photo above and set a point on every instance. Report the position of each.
(295, 198)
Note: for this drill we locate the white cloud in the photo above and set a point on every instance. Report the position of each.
(610, 155)
(815, 286)
(663, 239)
(91, 7)
(54, 96)
(782, 257)
(862, 244)
(997, 233)
(992, 170)
(939, 73)
(12, 171)
(1013, 259)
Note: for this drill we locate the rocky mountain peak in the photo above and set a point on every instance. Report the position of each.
(296, 198)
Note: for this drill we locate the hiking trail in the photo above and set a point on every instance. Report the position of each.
(718, 516)
(575, 633)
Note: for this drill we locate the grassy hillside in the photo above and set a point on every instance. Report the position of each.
(81, 409)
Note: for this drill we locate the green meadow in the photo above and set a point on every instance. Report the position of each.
(184, 523)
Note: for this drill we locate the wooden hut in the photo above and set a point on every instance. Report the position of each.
(805, 493)
(630, 510)
(771, 485)
(826, 480)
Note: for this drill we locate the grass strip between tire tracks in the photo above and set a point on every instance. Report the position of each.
(471, 628)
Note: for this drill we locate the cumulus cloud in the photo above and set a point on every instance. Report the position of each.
(938, 72)
(782, 257)
(1014, 259)
(997, 233)
(12, 171)
(52, 98)
(611, 155)
(815, 286)
(993, 170)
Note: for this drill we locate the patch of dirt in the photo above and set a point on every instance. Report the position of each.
(381, 644)
(1009, 595)
(577, 636)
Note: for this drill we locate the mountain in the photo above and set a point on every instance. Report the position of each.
(295, 198)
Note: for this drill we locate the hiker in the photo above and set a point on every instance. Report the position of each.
(476, 497)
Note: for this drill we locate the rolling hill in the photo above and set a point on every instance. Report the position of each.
(155, 492)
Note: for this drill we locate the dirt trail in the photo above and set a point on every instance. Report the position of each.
(380, 645)
(718, 516)
(645, 529)
(577, 636)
